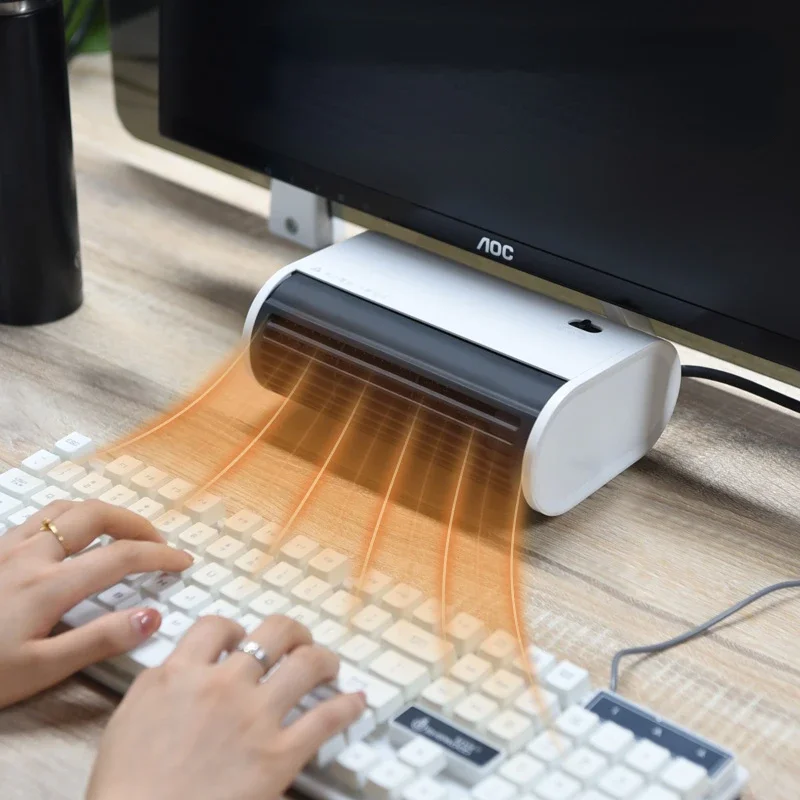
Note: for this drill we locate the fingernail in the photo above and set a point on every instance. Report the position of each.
(146, 622)
(363, 696)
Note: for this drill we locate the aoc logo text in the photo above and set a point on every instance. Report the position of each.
(495, 248)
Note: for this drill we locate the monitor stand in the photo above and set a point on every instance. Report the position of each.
(300, 216)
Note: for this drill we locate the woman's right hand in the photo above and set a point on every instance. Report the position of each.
(212, 730)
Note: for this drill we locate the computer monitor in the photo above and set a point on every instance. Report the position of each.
(645, 157)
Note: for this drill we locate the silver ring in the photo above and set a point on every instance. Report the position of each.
(254, 649)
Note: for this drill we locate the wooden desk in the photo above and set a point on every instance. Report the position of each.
(174, 253)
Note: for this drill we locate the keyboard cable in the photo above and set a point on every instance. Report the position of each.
(738, 382)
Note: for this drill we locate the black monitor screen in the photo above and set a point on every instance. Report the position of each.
(648, 156)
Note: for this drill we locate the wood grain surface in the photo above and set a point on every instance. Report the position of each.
(173, 255)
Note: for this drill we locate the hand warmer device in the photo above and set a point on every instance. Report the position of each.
(572, 398)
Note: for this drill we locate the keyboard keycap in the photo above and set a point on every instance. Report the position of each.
(374, 586)
(341, 605)
(402, 599)
(523, 771)
(387, 780)
(584, 764)
(498, 648)
(16, 483)
(225, 550)
(428, 615)
(494, 788)
(163, 585)
(220, 608)
(510, 730)
(173, 493)
(123, 469)
(198, 537)
(647, 758)
(362, 727)
(269, 603)
(577, 723)
(474, 711)
(116, 596)
(395, 668)
(40, 463)
(265, 536)
(152, 653)
(383, 698)
(211, 577)
(330, 634)
(65, 474)
(688, 780)
(503, 687)
(443, 694)
(242, 525)
(611, 740)
(311, 591)
(432, 651)
(425, 788)
(148, 508)
(570, 682)
(86, 611)
(120, 496)
(8, 505)
(359, 650)
(468, 758)
(174, 625)
(253, 563)
(471, 670)
(191, 599)
(539, 704)
(549, 747)
(148, 481)
(656, 793)
(352, 764)
(299, 550)
(91, 486)
(75, 445)
(282, 576)
(465, 632)
(424, 756)
(538, 661)
(22, 516)
(240, 590)
(620, 783)
(372, 621)
(206, 508)
(49, 495)
(329, 750)
(557, 786)
(330, 565)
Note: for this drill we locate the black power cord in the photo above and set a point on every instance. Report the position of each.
(708, 374)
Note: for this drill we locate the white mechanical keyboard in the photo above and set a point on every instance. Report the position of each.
(447, 719)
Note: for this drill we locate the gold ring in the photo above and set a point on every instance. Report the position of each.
(47, 525)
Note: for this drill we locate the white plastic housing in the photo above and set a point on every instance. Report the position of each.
(621, 384)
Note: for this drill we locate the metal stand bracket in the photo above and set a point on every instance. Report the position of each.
(300, 216)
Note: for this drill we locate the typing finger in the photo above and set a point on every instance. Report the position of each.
(84, 522)
(54, 659)
(307, 735)
(301, 671)
(78, 578)
(207, 640)
(33, 524)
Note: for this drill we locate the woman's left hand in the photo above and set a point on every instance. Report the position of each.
(39, 584)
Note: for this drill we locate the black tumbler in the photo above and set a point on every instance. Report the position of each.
(40, 266)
